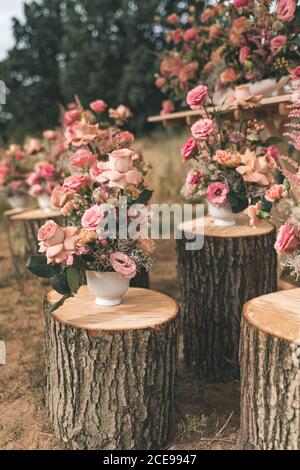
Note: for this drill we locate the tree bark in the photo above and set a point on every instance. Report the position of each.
(270, 392)
(114, 390)
(215, 282)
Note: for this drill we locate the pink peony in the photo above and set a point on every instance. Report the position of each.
(217, 193)
(76, 182)
(190, 34)
(47, 171)
(244, 54)
(275, 192)
(58, 244)
(98, 106)
(122, 264)
(82, 158)
(93, 217)
(196, 97)
(240, 3)
(202, 129)
(252, 212)
(35, 190)
(173, 18)
(287, 238)
(189, 149)
(277, 43)
(286, 10)
(50, 135)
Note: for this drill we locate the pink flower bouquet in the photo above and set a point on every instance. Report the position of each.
(104, 200)
(231, 167)
(14, 167)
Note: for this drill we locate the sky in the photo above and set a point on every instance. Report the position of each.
(8, 9)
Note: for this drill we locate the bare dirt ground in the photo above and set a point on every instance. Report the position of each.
(207, 415)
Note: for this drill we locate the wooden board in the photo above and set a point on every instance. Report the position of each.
(182, 115)
(36, 214)
(277, 314)
(241, 229)
(141, 308)
(12, 212)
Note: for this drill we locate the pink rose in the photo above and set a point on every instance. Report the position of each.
(277, 43)
(96, 169)
(58, 244)
(47, 171)
(217, 193)
(188, 150)
(50, 135)
(67, 208)
(286, 10)
(202, 129)
(190, 34)
(196, 97)
(125, 138)
(173, 18)
(160, 82)
(58, 197)
(98, 106)
(244, 54)
(121, 160)
(72, 106)
(82, 158)
(120, 114)
(76, 182)
(252, 212)
(122, 264)
(80, 134)
(71, 116)
(120, 172)
(176, 36)
(19, 155)
(4, 170)
(93, 217)
(275, 192)
(167, 107)
(240, 3)
(207, 14)
(192, 177)
(50, 233)
(287, 238)
(50, 186)
(35, 190)
(295, 73)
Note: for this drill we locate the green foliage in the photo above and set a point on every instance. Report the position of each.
(144, 197)
(237, 202)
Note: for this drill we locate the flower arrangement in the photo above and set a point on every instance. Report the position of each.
(232, 167)
(261, 41)
(104, 200)
(283, 197)
(13, 171)
(190, 39)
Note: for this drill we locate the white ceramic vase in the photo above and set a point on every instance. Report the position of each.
(268, 87)
(222, 215)
(108, 288)
(44, 202)
(17, 201)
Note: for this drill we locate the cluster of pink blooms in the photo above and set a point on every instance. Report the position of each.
(228, 44)
(13, 169)
(228, 162)
(104, 166)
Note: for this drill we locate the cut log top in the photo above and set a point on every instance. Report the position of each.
(36, 214)
(12, 212)
(277, 314)
(141, 309)
(241, 229)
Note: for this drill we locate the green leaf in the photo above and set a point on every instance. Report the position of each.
(286, 184)
(73, 278)
(266, 205)
(38, 266)
(60, 283)
(279, 177)
(58, 304)
(272, 141)
(144, 197)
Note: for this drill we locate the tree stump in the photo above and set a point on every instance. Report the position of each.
(270, 372)
(111, 371)
(235, 264)
(23, 228)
